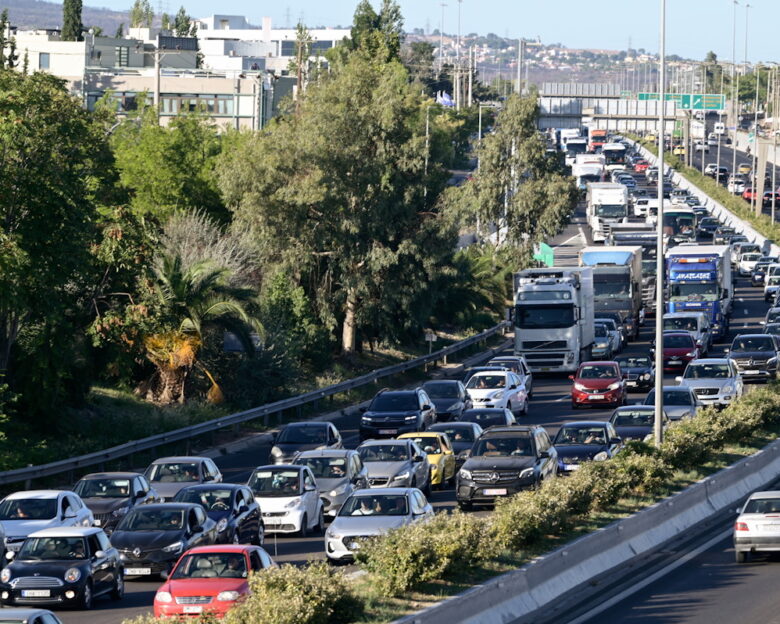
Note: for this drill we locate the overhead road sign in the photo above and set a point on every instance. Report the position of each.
(691, 101)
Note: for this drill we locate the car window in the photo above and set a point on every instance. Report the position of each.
(265, 559)
(418, 504)
(308, 480)
(105, 544)
(254, 560)
(384, 452)
(94, 544)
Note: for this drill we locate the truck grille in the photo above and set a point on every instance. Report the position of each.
(544, 359)
(546, 344)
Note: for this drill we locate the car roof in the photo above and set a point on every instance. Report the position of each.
(278, 466)
(510, 429)
(64, 532)
(441, 381)
(485, 373)
(388, 441)
(375, 491)
(213, 486)
(584, 423)
(677, 332)
(625, 408)
(599, 362)
(221, 548)
(711, 361)
(42, 494)
(422, 434)
(325, 453)
(179, 458)
(395, 392)
(458, 424)
(765, 494)
(307, 425)
(685, 389)
(751, 335)
(486, 410)
(111, 475)
(23, 613)
(172, 505)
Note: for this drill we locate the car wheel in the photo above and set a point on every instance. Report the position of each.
(119, 588)
(85, 603)
(304, 532)
(465, 506)
(428, 486)
(320, 528)
(741, 556)
(259, 539)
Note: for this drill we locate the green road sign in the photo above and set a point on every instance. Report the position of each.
(690, 101)
(544, 254)
(626, 95)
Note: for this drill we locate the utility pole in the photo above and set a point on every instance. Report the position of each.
(441, 39)
(734, 90)
(157, 81)
(471, 72)
(520, 47)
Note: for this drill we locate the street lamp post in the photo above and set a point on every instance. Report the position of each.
(734, 90)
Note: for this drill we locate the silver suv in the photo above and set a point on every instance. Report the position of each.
(715, 381)
(396, 463)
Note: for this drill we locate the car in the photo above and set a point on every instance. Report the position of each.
(462, 436)
(518, 365)
(598, 383)
(110, 495)
(304, 436)
(498, 389)
(701, 146)
(441, 455)
(695, 323)
(755, 356)
(289, 499)
(749, 194)
(613, 331)
(678, 150)
(679, 348)
(723, 235)
(638, 371)
(22, 513)
(740, 248)
(373, 512)
(769, 198)
(627, 181)
(772, 328)
(602, 343)
(736, 185)
(699, 211)
(338, 472)
(772, 315)
(29, 616)
(232, 506)
(489, 417)
(744, 168)
(755, 529)
(635, 422)
(504, 461)
(168, 475)
(63, 566)
(583, 441)
(449, 397)
(771, 286)
(679, 196)
(210, 579)
(758, 274)
(711, 169)
(641, 165)
(625, 325)
(679, 402)
(707, 227)
(392, 412)
(715, 381)
(396, 463)
(470, 372)
(640, 205)
(150, 538)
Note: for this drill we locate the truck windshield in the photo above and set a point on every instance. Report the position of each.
(649, 267)
(590, 177)
(609, 286)
(576, 148)
(544, 316)
(614, 156)
(694, 292)
(679, 224)
(611, 210)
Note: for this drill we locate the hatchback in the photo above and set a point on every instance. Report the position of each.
(757, 528)
(598, 383)
(679, 349)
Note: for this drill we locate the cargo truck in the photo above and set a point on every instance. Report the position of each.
(607, 203)
(643, 235)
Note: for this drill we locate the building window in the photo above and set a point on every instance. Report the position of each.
(122, 56)
(43, 60)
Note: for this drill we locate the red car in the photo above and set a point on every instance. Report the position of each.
(641, 165)
(749, 194)
(598, 383)
(209, 579)
(679, 349)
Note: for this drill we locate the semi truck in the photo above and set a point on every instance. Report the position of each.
(574, 147)
(553, 317)
(617, 283)
(607, 203)
(699, 280)
(597, 140)
(645, 236)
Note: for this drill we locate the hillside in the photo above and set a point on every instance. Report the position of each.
(39, 14)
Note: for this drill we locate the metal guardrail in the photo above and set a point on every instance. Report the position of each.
(185, 433)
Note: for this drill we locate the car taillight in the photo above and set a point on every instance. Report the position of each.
(741, 526)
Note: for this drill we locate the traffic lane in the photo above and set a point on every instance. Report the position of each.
(138, 600)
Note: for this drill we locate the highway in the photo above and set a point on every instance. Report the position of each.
(550, 407)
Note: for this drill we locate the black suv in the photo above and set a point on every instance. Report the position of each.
(392, 413)
(755, 356)
(504, 461)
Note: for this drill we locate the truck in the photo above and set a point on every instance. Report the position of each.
(615, 155)
(699, 280)
(553, 317)
(645, 236)
(607, 203)
(574, 147)
(597, 140)
(679, 223)
(568, 133)
(617, 283)
(587, 172)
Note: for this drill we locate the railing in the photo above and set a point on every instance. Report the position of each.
(264, 411)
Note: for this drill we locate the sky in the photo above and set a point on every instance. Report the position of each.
(694, 27)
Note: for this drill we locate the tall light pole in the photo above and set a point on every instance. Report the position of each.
(734, 90)
(441, 39)
(658, 429)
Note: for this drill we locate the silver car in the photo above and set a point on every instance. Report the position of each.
(395, 463)
(338, 472)
(613, 331)
(373, 512)
(30, 616)
(679, 402)
(715, 381)
(168, 475)
(757, 528)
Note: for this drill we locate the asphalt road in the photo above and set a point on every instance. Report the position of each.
(550, 407)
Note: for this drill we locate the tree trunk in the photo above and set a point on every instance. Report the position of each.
(169, 386)
(349, 332)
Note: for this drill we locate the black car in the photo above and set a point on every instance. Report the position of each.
(151, 538)
(638, 371)
(449, 397)
(723, 235)
(585, 440)
(635, 422)
(462, 436)
(232, 507)
(489, 417)
(755, 356)
(393, 412)
(504, 461)
(110, 495)
(63, 566)
(304, 436)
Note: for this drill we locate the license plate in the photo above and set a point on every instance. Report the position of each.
(388, 431)
(595, 396)
(675, 363)
(631, 384)
(751, 372)
(138, 571)
(571, 467)
(192, 609)
(495, 492)
(545, 369)
(36, 593)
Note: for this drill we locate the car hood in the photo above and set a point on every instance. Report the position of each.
(274, 503)
(366, 525)
(169, 490)
(291, 449)
(378, 416)
(22, 528)
(707, 383)
(442, 405)
(675, 351)
(386, 469)
(205, 586)
(99, 505)
(22, 567)
(490, 463)
(326, 485)
(753, 355)
(481, 393)
(584, 451)
(597, 384)
(675, 412)
(637, 370)
(145, 540)
(633, 433)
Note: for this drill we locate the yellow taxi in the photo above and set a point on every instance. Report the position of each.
(744, 168)
(678, 150)
(441, 457)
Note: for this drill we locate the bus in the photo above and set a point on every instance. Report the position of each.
(615, 155)
(679, 224)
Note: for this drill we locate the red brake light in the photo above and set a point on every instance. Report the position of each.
(741, 526)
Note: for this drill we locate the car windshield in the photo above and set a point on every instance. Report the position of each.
(275, 482)
(608, 323)
(57, 548)
(772, 315)
(140, 519)
(210, 500)
(441, 389)
(684, 324)
(211, 565)
(707, 371)
(175, 472)
(594, 371)
(600, 331)
(634, 361)
(750, 257)
(634, 418)
(772, 328)
(325, 467)
(671, 397)
(375, 505)
(762, 506)
(485, 418)
(754, 343)
(581, 434)
(486, 382)
(384, 453)
(394, 402)
(458, 434)
(28, 509)
(430, 444)
(103, 488)
(678, 342)
(303, 434)
(515, 446)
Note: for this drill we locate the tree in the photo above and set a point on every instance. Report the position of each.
(299, 64)
(183, 26)
(378, 34)
(141, 14)
(165, 23)
(8, 55)
(72, 28)
(120, 31)
(418, 57)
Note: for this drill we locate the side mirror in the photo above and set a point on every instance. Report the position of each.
(274, 435)
(196, 528)
(417, 459)
(309, 488)
(99, 554)
(678, 379)
(544, 454)
(68, 515)
(513, 387)
(139, 494)
(726, 350)
(363, 409)
(10, 554)
(426, 407)
(652, 349)
(725, 293)
(243, 509)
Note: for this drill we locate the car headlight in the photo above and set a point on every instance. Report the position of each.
(728, 389)
(453, 407)
(580, 387)
(527, 472)
(411, 418)
(498, 395)
(119, 512)
(646, 376)
(276, 451)
(5, 575)
(401, 476)
(772, 360)
(293, 503)
(464, 474)
(227, 596)
(174, 548)
(222, 525)
(163, 596)
(601, 456)
(365, 419)
(342, 489)
(691, 354)
(72, 575)
(613, 386)
(335, 536)
(602, 345)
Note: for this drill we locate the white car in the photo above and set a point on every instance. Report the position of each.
(771, 287)
(701, 146)
(747, 262)
(498, 389)
(22, 513)
(757, 528)
(289, 499)
(736, 185)
(640, 206)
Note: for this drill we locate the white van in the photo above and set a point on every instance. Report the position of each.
(697, 324)
(720, 128)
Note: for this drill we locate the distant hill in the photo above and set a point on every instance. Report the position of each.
(25, 14)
